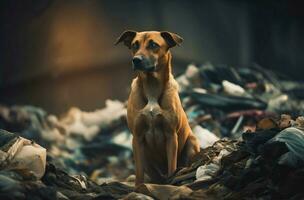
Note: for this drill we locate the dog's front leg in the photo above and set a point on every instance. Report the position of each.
(139, 159)
(171, 148)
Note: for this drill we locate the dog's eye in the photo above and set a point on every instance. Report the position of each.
(153, 45)
(135, 46)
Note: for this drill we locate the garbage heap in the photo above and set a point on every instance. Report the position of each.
(249, 147)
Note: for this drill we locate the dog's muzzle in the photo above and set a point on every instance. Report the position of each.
(143, 64)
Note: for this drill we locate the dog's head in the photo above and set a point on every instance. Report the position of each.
(149, 48)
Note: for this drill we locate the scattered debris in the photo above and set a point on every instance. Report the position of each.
(250, 149)
(22, 155)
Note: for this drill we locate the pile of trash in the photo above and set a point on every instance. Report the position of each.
(228, 101)
(96, 144)
(265, 164)
(250, 148)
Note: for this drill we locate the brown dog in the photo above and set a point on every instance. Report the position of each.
(162, 138)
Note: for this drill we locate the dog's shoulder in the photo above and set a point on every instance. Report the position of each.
(172, 84)
(134, 84)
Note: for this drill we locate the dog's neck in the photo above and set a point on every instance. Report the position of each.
(154, 83)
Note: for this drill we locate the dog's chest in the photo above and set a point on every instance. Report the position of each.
(153, 130)
(152, 110)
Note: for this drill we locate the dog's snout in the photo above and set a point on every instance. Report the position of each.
(142, 63)
(137, 60)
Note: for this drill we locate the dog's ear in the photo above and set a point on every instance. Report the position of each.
(172, 39)
(126, 37)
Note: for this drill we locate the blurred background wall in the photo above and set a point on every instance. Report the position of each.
(59, 53)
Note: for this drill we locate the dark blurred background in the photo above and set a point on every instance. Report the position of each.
(59, 53)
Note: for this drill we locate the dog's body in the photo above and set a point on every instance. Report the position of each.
(162, 138)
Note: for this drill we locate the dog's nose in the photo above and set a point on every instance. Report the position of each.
(137, 61)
